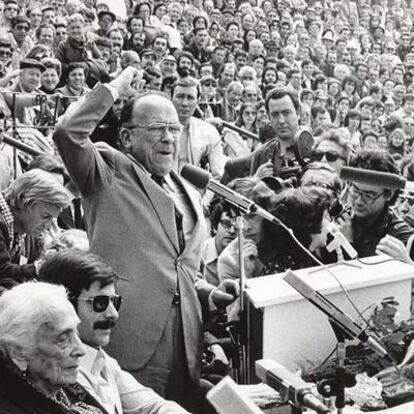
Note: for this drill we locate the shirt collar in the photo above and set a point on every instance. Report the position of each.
(211, 254)
(88, 360)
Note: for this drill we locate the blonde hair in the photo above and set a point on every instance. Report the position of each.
(36, 186)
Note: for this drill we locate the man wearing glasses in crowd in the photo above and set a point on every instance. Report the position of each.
(373, 227)
(91, 289)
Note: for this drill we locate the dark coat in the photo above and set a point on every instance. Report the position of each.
(9, 263)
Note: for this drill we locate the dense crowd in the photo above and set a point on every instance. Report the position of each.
(101, 106)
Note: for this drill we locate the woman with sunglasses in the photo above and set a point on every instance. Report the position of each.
(333, 149)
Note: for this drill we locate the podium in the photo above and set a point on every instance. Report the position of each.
(284, 326)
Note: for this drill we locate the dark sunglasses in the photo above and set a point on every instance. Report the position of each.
(20, 27)
(100, 303)
(6, 54)
(331, 156)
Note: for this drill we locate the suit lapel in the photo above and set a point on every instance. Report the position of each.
(162, 204)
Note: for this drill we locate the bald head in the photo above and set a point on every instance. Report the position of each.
(144, 107)
(151, 132)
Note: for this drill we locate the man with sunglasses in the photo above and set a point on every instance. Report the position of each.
(91, 287)
(373, 227)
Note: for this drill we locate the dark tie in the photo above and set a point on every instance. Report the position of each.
(77, 213)
(178, 216)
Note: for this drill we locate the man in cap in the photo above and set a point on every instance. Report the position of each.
(374, 227)
(28, 83)
(168, 66)
(106, 20)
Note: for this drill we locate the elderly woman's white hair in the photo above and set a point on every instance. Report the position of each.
(36, 186)
(247, 70)
(27, 307)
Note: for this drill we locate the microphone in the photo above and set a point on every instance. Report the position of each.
(291, 387)
(340, 242)
(343, 321)
(370, 177)
(202, 180)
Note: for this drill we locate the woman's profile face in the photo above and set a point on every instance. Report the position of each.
(37, 218)
(54, 360)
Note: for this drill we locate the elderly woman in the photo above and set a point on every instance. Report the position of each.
(27, 208)
(40, 352)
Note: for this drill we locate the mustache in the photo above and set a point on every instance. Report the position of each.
(107, 324)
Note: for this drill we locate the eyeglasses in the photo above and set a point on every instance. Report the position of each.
(158, 130)
(406, 199)
(228, 224)
(100, 303)
(208, 84)
(331, 156)
(249, 113)
(13, 9)
(5, 54)
(367, 198)
(21, 27)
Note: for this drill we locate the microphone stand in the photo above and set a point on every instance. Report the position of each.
(243, 328)
(238, 330)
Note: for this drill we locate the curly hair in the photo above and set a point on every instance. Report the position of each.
(302, 210)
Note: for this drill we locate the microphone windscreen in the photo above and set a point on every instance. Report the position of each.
(382, 179)
(195, 175)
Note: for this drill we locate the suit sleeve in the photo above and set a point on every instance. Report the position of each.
(89, 168)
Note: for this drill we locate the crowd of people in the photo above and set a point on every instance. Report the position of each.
(98, 115)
